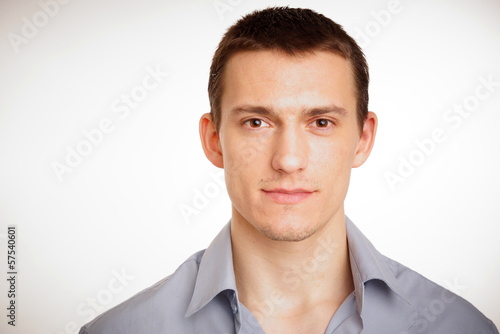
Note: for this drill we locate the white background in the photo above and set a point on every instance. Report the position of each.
(118, 211)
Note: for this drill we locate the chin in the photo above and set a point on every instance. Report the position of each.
(288, 234)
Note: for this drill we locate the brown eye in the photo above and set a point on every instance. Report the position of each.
(255, 123)
(322, 123)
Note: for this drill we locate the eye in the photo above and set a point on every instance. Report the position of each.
(322, 123)
(256, 123)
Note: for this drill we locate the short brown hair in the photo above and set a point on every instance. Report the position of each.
(294, 31)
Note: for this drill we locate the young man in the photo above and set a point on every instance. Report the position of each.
(289, 119)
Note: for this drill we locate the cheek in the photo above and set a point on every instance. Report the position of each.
(243, 163)
(242, 156)
(333, 158)
(332, 169)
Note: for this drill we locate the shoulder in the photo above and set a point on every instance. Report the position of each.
(154, 309)
(435, 309)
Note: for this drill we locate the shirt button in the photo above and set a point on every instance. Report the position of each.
(234, 308)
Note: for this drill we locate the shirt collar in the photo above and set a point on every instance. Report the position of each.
(368, 264)
(216, 273)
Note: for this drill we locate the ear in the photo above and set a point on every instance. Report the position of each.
(210, 140)
(366, 140)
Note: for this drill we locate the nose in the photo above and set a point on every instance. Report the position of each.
(290, 150)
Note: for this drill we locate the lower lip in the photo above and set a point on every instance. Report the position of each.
(288, 198)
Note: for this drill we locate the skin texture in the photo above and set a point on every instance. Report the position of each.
(287, 142)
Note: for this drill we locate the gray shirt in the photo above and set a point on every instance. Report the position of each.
(201, 297)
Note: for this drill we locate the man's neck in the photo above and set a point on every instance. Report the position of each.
(297, 284)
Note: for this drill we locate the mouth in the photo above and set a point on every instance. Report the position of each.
(288, 196)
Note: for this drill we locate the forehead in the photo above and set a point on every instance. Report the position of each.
(280, 81)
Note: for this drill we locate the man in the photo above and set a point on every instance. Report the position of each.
(289, 119)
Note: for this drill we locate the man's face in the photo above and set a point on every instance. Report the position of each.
(288, 138)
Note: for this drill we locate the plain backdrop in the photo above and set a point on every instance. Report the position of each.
(144, 197)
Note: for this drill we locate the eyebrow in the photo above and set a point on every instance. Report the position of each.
(311, 112)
